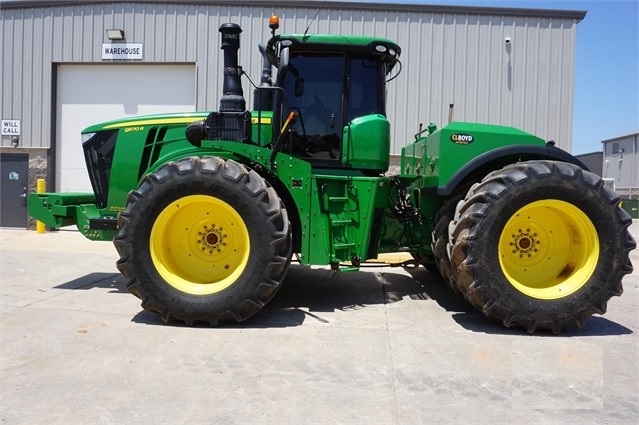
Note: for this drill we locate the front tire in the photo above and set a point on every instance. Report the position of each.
(203, 240)
(540, 245)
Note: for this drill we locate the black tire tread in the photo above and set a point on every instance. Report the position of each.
(245, 180)
(465, 238)
(444, 216)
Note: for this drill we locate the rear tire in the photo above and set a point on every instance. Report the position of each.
(203, 239)
(445, 215)
(540, 245)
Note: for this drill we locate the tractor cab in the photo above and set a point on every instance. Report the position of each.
(335, 87)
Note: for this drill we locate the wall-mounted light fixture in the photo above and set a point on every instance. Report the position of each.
(15, 141)
(115, 34)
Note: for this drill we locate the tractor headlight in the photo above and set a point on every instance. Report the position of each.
(86, 137)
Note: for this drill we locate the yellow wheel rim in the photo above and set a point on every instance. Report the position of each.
(548, 249)
(199, 244)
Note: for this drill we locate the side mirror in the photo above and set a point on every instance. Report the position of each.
(299, 87)
(282, 67)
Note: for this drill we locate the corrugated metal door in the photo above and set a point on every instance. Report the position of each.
(92, 93)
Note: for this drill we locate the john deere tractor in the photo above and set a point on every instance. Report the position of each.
(206, 210)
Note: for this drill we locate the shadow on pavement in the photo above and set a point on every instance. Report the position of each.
(308, 294)
(112, 281)
(471, 319)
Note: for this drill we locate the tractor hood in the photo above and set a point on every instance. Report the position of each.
(144, 120)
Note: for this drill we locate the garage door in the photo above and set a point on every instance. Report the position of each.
(90, 94)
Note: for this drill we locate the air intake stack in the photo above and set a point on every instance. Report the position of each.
(233, 97)
(233, 121)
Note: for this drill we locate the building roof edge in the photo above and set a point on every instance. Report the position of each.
(577, 15)
(623, 136)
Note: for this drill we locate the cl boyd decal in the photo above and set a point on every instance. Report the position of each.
(462, 139)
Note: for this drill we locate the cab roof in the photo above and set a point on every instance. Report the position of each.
(356, 44)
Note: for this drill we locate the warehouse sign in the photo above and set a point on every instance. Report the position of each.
(10, 127)
(122, 51)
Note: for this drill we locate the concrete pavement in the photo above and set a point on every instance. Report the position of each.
(386, 345)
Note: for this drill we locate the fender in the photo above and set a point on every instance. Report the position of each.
(500, 157)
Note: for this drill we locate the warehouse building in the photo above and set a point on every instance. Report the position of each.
(69, 64)
(621, 164)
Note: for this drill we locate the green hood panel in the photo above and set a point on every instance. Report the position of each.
(144, 120)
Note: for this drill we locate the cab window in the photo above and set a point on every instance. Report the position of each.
(365, 91)
(328, 90)
(314, 86)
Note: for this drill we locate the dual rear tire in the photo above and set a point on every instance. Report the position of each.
(538, 245)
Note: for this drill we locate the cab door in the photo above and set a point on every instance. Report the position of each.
(314, 87)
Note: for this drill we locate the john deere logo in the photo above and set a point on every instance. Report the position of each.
(462, 139)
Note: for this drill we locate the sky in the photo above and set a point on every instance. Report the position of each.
(606, 73)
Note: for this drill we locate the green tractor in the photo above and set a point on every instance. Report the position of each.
(207, 209)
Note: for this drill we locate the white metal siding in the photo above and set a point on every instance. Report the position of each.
(447, 57)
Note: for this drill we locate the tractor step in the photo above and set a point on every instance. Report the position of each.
(338, 199)
(343, 245)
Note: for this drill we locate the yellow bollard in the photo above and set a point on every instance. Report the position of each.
(41, 187)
